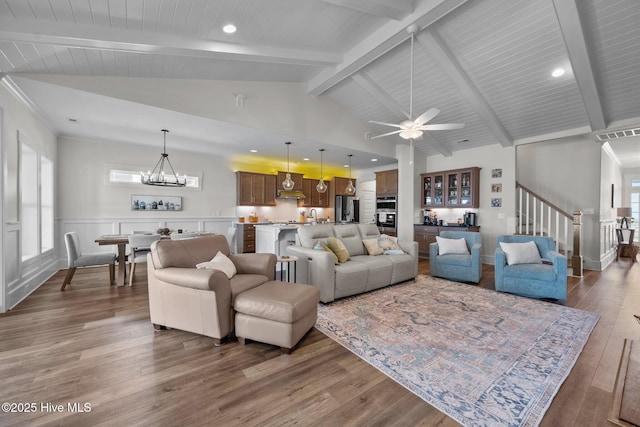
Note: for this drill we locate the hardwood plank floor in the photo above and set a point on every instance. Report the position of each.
(94, 344)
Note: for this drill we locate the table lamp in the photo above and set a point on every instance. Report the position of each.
(624, 213)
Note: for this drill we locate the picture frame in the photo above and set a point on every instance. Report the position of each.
(496, 173)
(155, 203)
(496, 202)
(496, 188)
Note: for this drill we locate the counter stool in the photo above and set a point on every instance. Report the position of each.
(276, 313)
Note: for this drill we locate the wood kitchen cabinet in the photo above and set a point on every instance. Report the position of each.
(387, 183)
(314, 199)
(458, 188)
(256, 189)
(341, 184)
(248, 238)
(295, 177)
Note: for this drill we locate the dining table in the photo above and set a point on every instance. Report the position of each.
(121, 240)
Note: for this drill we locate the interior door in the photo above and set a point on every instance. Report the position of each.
(367, 193)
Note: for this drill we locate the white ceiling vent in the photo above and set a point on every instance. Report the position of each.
(615, 134)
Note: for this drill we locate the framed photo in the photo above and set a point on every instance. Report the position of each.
(496, 202)
(496, 188)
(496, 173)
(155, 203)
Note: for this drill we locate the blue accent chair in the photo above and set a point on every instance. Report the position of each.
(546, 280)
(461, 268)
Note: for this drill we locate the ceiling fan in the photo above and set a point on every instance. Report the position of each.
(412, 129)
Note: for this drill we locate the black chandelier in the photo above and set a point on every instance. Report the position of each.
(163, 173)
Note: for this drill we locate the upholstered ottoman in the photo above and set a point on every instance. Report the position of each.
(276, 313)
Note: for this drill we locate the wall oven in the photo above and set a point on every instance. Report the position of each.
(386, 204)
(386, 219)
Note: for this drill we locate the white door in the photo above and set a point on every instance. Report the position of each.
(367, 193)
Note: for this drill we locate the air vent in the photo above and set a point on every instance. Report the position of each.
(616, 134)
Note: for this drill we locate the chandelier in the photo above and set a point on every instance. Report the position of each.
(163, 173)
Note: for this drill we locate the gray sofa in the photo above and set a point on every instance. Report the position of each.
(362, 273)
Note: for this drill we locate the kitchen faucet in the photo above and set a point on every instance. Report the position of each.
(314, 215)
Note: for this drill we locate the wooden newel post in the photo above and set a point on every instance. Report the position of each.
(576, 260)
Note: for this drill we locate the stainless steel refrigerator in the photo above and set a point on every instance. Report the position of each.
(347, 209)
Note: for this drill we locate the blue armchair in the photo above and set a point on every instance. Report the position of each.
(458, 267)
(545, 280)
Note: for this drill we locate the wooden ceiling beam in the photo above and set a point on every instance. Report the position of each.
(569, 20)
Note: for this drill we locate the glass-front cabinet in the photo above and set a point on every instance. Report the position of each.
(457, 188)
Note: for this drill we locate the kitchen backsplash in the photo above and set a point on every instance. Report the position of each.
(286, 210)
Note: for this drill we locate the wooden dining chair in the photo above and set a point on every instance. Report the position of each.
(77, 259)
(625, 240)
(140, 245)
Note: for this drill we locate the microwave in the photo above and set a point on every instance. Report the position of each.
(386, 204)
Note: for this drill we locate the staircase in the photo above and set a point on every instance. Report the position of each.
(539, 217)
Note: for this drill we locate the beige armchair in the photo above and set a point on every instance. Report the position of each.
(200, 301)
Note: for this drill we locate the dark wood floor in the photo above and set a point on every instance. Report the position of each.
(94, 344)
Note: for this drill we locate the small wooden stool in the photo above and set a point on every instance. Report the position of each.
(276, 313)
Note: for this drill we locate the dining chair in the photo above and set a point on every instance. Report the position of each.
(77, 259)
(231, 239)
(140, 245)
(182, 236)
(625, 240)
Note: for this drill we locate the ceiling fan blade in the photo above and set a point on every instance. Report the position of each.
(387, 134)
(444, 126)
(387, 124)
(426, 116)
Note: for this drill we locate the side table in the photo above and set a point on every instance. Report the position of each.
(289, 261)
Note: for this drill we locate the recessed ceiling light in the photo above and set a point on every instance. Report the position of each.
(558, 72)
(306, 159)
(254, 151)
(374, 160)
(346, 166)
(229, 28)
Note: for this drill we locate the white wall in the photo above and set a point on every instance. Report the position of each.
(20, 280)
(493, 221)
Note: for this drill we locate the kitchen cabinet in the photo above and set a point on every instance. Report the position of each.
(295, 177)
(341, 184)
(256, 189)
(457, 188)
(246, 238)
(387, 183)
(314, 199)
(426, 234)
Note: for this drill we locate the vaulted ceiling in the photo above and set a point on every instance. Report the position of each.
(485, 63)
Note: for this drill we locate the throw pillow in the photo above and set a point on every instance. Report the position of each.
(373, 248)
(388, 243)
(220, 262)
(521, 253)
(324, 247)
(338, 248)
(452, 246)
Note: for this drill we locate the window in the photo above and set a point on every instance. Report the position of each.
(635, 206)
(117, 176)
(36, 202)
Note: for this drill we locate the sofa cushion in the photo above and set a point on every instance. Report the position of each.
(521, 253)
(388, 243)
(310, 234)
(351, 278)
(541, 272)
(452, 246)
(368, 231)
(338, 248)
(403, 267)
(379, 270)
(455, 259)
(350, 236)
(220, 262)
(373, 248)
(322, 246)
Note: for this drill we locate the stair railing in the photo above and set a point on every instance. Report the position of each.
(538, 216)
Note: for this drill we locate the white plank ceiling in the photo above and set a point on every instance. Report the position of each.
(485, 63)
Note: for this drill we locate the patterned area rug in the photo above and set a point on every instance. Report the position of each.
(483, 358)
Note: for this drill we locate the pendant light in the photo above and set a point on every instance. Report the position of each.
(163, 174)
(350, 190)
(288, 183)
(321, 186)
